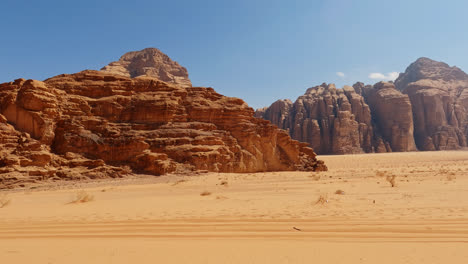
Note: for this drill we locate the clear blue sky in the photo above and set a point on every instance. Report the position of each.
(259, 51)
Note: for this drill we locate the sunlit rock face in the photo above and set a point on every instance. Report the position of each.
(99, 124)
(349, 120)
(439, 97)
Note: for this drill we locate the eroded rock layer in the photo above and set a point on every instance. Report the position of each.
(95, 124)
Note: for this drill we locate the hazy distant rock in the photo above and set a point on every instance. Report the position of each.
(150, 62)
(439, 97)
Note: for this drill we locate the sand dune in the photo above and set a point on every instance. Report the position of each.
(276, 217)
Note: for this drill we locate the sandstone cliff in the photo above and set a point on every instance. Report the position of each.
(96, 124)
(392, 115)
(439, 97)
(349, 120)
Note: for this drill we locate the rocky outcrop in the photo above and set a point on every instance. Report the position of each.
(331, 120)
(439, 98)
(349, 120)
(149, 62)
(95, 124)
(392, 115)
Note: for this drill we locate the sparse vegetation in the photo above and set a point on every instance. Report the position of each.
(340, 192)
(391, 180)
(4, 200)
(224, 183)
(82, 197)
(205, 193)
(322, 199)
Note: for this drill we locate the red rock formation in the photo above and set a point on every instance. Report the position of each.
(340, 121)
(439, 97)
(98, 124)
(392, 116)
(331, 120)
(430, 114)
(150, 62)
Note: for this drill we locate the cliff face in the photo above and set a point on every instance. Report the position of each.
(349, 120)
(439, 97)
(392, 116)
(96, 124)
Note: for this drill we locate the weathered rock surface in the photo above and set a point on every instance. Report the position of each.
(347, 120)
(439, 97)
(331, 120)
(392, 115)
(150, 62)
(95, 124)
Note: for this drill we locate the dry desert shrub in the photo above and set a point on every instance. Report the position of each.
(322, 199)
(82, 197)
(340, 192)
(224, 183)
(4, 200)
(205, 193)
(391, 180)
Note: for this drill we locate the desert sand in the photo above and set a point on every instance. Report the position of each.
(349, 214)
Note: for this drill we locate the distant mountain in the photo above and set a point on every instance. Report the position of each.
(426, 109)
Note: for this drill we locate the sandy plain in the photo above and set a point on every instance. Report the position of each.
(350, 214)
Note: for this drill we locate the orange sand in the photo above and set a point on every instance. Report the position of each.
(273, 217)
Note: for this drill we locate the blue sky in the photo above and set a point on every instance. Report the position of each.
(259, 51)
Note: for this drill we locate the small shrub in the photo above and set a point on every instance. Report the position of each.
(4, 200)
(205, 193)
(340, 192)
(391, 180)
(82, 197)
(224, 183)
(322, 199)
